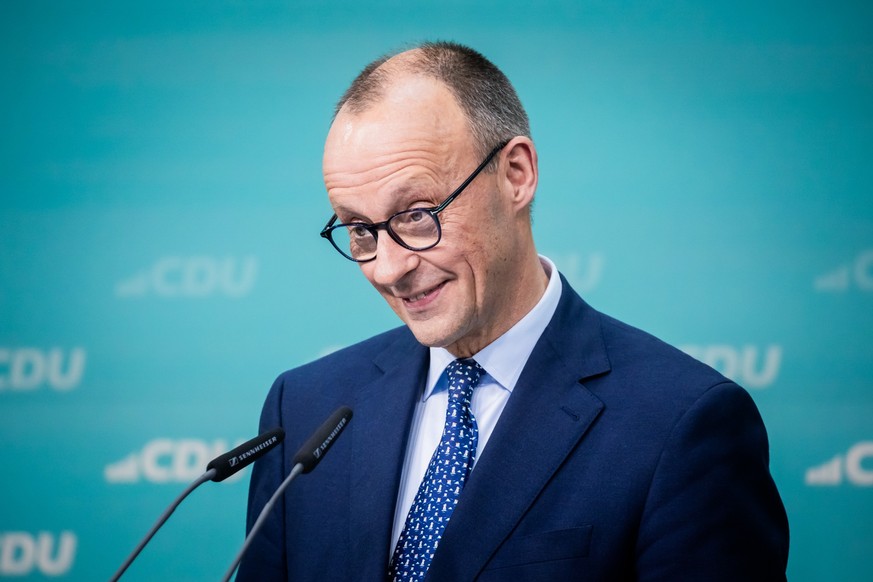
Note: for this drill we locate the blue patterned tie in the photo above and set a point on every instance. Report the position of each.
(448, 470)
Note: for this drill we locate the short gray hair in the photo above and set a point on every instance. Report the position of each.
(487, 98)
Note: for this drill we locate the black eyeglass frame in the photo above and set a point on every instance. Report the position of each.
(327, 231)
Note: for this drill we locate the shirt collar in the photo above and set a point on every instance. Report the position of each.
(504, 358)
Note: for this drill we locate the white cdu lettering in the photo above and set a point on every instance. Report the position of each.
(165, 460)
(858, 272)
(856, 473)
(24, 369)
(21, 553)
(201, 276)
(746, 365)
(152, 469)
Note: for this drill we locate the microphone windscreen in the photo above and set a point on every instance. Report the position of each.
(322, 439)
(245, 454)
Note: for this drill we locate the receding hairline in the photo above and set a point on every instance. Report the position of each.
(383, 74)
(490, 106)
(393, 71)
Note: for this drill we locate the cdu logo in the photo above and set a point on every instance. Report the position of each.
(167, 461)
(850, 467)
(749, 366)
(193, 277)
(25, 369)
(22, 553)
(857, 274)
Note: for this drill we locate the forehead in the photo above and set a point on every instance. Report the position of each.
(416, 116)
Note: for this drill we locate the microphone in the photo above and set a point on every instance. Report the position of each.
(244, 455)
(306, 459)
(218, 469)
(321, 440)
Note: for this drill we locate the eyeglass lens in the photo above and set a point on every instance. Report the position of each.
(416, 229)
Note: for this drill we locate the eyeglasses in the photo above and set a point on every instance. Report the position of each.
(416, 229)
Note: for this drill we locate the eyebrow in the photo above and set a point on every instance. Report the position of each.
(403, 196)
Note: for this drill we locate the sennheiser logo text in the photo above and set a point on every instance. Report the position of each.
(253, 451)
(323, 447)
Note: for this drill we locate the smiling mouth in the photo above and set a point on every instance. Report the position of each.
(422, 296)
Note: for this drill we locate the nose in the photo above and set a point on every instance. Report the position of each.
(392, 262)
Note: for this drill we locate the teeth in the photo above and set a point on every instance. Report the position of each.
(420, 296)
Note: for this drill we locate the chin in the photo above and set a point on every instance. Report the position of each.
(430, 340)
(428, 336)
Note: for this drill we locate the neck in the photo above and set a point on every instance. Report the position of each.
(530, 285)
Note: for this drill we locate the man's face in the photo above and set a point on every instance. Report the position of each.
(412, 149)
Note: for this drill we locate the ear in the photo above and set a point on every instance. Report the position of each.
(519, 173)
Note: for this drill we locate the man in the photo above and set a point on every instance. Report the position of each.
(508, 431)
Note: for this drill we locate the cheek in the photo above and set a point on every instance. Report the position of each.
(462, 254)
(471, 231)
(473, 252)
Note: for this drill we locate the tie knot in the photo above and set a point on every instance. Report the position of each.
(463, 375)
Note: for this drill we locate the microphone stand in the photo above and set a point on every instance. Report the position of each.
(298, 468)
(164, 517)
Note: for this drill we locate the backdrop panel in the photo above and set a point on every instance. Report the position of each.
(705, 175)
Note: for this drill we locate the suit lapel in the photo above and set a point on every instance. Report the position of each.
(546, 416)
(382, 416)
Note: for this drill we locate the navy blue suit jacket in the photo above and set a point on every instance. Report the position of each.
(617, 457)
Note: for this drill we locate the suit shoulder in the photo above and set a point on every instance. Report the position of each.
(351, 364)
(652, 388)
(317, 388)
(641, 356)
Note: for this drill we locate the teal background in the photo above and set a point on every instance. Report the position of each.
(705, 174)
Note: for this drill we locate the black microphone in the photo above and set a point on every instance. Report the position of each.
(218, 469)
(321, 440)
(244, 455)
(309, 455)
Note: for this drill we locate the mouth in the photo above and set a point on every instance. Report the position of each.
(424, 298)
